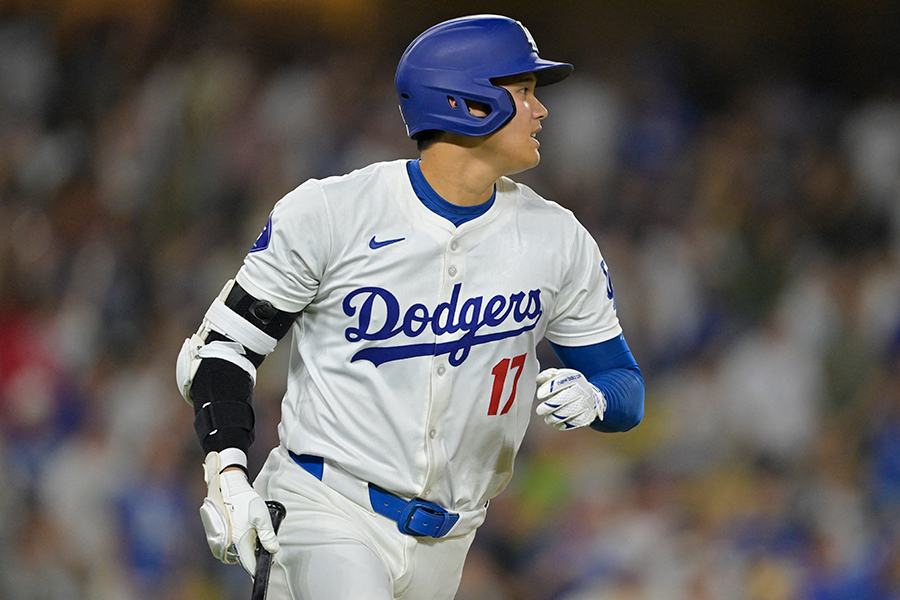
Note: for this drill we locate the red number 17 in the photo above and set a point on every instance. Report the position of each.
(499, 372)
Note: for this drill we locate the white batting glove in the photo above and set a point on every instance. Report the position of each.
(568, 399)
(234, 516)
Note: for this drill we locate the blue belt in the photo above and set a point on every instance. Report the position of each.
(414, 517)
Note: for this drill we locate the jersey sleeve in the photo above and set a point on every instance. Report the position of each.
(287, 262)
(585, 310)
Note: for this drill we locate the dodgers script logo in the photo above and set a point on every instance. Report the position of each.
(480, 321)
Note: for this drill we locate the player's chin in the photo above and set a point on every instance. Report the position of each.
(532, 153)
(524, 166)
(523, 161)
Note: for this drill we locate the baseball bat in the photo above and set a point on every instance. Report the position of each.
(263, 557)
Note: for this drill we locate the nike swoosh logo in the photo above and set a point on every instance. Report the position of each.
(375, 245)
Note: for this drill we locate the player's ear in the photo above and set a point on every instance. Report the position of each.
(478, 109)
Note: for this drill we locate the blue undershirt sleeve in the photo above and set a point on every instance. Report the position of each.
(611, 367)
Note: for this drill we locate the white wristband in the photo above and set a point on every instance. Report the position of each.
(232, 456)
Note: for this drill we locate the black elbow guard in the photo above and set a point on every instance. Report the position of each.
(217, 376)
(261, 313)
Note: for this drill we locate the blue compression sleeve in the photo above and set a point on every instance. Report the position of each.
(611, 367)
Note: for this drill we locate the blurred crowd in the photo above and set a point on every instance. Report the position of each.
(754, 246)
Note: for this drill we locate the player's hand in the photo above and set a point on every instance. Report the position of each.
(567, 399)
(234, 516)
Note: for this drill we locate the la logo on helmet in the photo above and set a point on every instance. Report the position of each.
(528, 35)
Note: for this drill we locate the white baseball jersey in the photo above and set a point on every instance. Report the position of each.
(413, 360)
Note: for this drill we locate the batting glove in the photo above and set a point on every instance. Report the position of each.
(234, 516)
(568, 399)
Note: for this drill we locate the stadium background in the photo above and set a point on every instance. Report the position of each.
(739, 163)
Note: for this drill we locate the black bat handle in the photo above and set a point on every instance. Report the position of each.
(276, 512)
(263, 558)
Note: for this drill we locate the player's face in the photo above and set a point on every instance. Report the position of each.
(514, 145)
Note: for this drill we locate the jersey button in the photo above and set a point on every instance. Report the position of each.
(441, 370)
(454, 246)
(452, 271)
(432, 433)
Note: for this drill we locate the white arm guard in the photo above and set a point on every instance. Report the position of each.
(227, 322)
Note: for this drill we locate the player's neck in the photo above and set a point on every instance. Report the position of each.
(457, 176)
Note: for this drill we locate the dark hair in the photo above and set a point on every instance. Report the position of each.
(426, 139)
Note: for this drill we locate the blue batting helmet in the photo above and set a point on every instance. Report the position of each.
(456, 60)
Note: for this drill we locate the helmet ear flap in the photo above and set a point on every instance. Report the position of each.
(512, 105)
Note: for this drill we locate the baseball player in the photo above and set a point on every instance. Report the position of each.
(416, 293)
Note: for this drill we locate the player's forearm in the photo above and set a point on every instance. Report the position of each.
(623, 389)
(611, 367)
(216, 368)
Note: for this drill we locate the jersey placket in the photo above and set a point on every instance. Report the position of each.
(441, 370)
